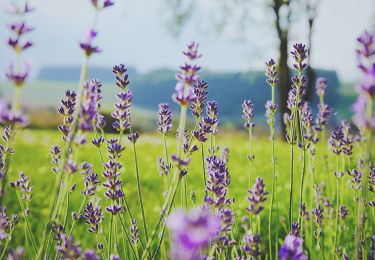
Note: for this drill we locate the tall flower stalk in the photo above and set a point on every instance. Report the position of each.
(183, 96)
(294, 124)
(247, 116)
(271, 109)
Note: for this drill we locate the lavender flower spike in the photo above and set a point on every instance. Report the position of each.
(165, 118)
(256, 197)
(248, 113)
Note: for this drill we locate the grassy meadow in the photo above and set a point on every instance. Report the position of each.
(32, 156)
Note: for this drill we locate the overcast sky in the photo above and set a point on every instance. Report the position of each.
(134, 32)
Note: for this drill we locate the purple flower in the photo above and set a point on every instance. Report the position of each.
(93, 215)
(90, 255)
(133, 137)
(200, 92)
(248, 114)
(181, 164)
(335, 140)
(320, 86)
(91, 179)
(217, 183)
(163, 167)
(68, 248)
(7, 223)
(20, 28)
(271, 73)
(187, 77)
(134, 233)
(102, 5)
(365, 50)
(91, 97)
(165, 118)
(299, 54)
(121, 114)
(270, 111)
(213, 116)
(87, 46)
(193, 230)
(367, 83)
(17, 78)
(183, 96)
(67, 111)
(16, 254)
(20, 10)
(343, 212)
(256, 197)
(322, 117)
(251, 245)
(356, 179)
(121, 76)
(24, 185)
(7, 117)
(192, 51)
(55, 158)
(292, 249)
(372, 252)
(371, 178)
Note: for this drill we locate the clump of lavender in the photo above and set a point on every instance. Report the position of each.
(292, 249)
(192, 231)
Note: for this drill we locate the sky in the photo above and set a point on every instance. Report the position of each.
(136, 32)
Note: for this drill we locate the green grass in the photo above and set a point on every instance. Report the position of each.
(32, 156)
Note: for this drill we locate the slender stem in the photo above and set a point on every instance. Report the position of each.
(272, 125)
(203, 169)
(139, 190)
(250, 154)
(110, 238)
(291, 184)
(302, 182)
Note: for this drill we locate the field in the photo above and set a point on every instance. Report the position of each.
(32, 156)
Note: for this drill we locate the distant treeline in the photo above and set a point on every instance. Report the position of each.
(229, 89)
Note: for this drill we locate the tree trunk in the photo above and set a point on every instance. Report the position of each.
(310, 73)
(284, 80)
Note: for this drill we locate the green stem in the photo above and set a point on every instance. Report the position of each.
(110, 238)
(139, 191)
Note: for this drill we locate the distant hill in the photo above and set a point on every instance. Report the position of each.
(71, 73)
(150, 89)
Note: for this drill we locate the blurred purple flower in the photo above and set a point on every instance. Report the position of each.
(292, 249)
(251, 245)
(87, 46)
(193, 230)
(17, 78)
(320, 86)
(16, 254)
